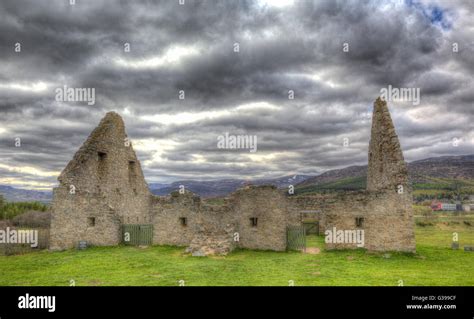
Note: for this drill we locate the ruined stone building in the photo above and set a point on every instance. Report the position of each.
(103, 189)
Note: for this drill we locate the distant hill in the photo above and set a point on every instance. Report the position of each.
(428, 176)
(450, 167)
(447, 173)
(13, 194)
(329, 177)
(202, 188)
(224, 186)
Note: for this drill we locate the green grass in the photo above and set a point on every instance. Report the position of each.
(433, 264)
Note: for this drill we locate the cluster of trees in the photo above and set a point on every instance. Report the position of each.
(10, 210)
(440, 196)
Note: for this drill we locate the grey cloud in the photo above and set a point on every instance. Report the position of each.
(297, 47)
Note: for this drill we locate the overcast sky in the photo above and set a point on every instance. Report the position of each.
(335, 55)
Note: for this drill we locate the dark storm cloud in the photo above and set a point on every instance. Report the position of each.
(297, 47)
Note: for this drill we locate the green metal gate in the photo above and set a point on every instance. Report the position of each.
(296, 238)
(137, 235)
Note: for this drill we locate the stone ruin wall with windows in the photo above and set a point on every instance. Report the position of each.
(99, 190)
(103, 188)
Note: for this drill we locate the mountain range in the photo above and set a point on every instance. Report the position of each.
(224, 186)
(430, 171)
(446, 172)
(12, 194)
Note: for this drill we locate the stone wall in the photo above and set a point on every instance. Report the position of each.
(308, 208)
(101, 188)
(386, 206)
(71, 221)
(220, 228)
(270, 207)
(387, 220)
(387, 169)
(110, 190)
(215, 230)
(167, 215)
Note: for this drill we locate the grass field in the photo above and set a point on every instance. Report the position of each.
(433, 264)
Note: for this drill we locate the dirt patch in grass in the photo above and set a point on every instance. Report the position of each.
(94, 282)
(313, 250)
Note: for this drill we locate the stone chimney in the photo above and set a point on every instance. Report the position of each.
(387, 170)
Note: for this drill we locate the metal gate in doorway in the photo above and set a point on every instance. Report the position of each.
(137, 235)
(296, 238)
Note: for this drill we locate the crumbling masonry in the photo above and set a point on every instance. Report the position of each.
(103, 188)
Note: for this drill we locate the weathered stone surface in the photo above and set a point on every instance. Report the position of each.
(100, 189)
(386, 206)
(210, 244)
(198, 253)
(167, 214)
(387, 169)
(270, 207)
(110, 191)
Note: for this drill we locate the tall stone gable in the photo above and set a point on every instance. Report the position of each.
(384, 210)
(386, 169)
(101, 188)
(389, 213)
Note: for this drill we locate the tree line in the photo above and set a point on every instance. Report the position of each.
(9, 210)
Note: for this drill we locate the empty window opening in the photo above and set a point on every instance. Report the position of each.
(183, 221)
(132, 172)
(102, 156)
(91, 221)
(359, 221)
(253, 221)
(102, 168)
